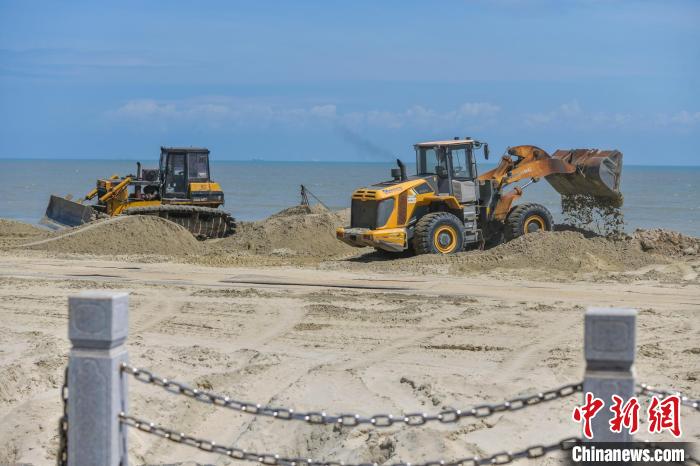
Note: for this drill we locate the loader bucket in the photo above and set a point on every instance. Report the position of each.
(597, 174)
(62, 213)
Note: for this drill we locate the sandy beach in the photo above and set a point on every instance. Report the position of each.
(269, 317)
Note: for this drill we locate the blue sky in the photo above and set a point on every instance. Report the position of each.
(360, 80)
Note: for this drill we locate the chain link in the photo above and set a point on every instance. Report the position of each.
(645, 389)
(534, 451)
(378, 420)
(62, 456)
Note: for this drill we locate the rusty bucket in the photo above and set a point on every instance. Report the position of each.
(597, 173)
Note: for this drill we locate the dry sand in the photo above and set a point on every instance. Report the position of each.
(297, 231)
(13, 233)
(121, 235)
(341, 331)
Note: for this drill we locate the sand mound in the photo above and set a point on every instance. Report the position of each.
(563, 251)
(300, 210)
(14, 228)
(123, 235)
(13, 233)
(296, 231)
(667, 242)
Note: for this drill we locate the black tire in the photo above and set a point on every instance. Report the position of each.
(438, 233)
(527, 218)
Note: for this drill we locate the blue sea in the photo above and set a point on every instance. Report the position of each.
(666, 197)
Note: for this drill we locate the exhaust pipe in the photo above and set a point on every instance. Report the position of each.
(402, 167)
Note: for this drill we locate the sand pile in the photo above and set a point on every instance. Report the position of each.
(13, 233)
(667, 242)
(123, 235)
(296, 231)
(19, 229)
(565, 251)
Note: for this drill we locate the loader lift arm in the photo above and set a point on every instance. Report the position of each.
(530, 162)
(574, 172)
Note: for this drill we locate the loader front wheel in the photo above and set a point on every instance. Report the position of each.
(527, 218)
(438, 233)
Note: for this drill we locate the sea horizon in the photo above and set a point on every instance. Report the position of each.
(660, 196)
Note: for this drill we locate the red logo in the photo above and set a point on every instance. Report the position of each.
(665, 415)
(662, 414)
(587, 412)
(624, 416)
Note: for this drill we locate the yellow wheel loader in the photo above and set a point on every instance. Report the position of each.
(448, 207)
(179, 190)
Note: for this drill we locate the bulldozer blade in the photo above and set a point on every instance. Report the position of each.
(597, 173)
(63, 213)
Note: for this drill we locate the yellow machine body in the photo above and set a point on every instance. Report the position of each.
(179, 190)
(392, 235)
(447, 206)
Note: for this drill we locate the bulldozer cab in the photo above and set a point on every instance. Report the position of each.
(181, 166)
(450, 167)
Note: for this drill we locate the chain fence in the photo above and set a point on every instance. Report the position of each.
(346, 420)
(377, 420)
(117, 419)
(62, 456)
(534, 451)
(647, 390)
(351, 420)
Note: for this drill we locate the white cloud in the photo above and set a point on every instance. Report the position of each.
(215, 111)
(683, 119)
(478, 109)
(145, 108)
(218, 111)
(419, 116)
(573, 114)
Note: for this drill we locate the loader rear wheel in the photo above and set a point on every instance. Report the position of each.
(202, 222)
(527, 218)
(438, 233)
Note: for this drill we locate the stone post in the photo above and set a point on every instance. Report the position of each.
(97, 328)
(610, 348)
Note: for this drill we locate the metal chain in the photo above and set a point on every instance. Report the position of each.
(534, 451)
(62, 455)
(645, 389)
(378, 420)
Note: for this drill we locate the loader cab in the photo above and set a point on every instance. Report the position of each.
(450, 167)
(181, 166)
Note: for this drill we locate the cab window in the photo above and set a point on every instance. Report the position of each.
(428, 160)
(198, 167)
(461, 168)
(175, 182)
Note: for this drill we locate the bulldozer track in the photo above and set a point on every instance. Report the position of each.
(202, 222)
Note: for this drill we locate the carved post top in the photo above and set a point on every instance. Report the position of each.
(98, 319)
(610, 338)
(611, 311)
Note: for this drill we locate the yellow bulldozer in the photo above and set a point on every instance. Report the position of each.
(448, 207)
(179, 190)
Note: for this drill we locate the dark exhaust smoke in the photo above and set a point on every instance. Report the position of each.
(402, 167)
(363, 144)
